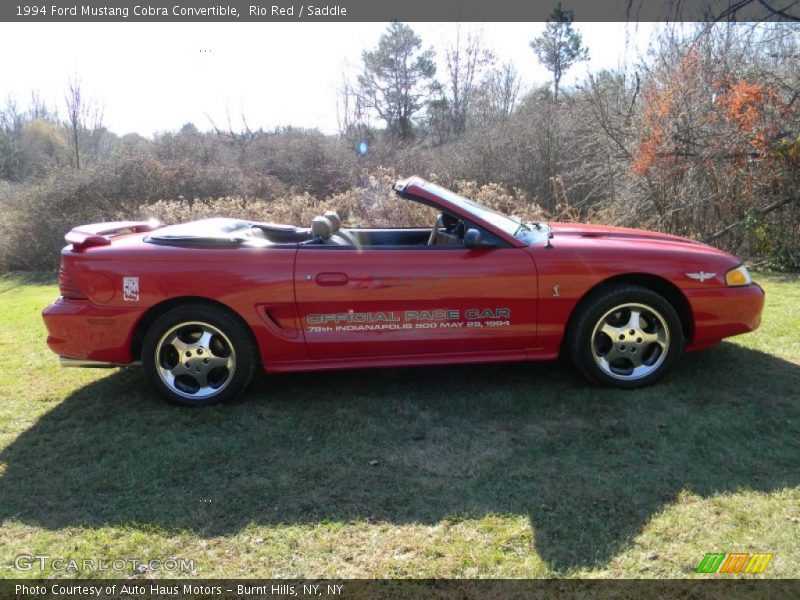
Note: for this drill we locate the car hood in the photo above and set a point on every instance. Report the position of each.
(622, 234)
(610, 232)
(608, 236)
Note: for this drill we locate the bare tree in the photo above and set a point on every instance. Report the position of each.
(240, 139)
(11, 122)
(83, 115)
(503, 87)
(466, 60)
(39, 110)
(715, 152)
(351, 113)
(75, 112)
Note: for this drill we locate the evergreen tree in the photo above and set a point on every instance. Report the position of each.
(397, 79)
(560, 46)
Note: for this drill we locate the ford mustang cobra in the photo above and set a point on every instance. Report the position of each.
(200, 305)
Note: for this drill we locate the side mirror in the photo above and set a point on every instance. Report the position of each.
(473, 238)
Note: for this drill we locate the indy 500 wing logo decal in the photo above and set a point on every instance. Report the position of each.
(701, 277)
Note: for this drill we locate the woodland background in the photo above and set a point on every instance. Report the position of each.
(700, 137)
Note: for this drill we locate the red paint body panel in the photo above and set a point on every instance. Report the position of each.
(395, 281)
(721, 313)
(381, 298)
(80, 329)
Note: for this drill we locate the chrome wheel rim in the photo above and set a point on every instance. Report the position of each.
(630, 341)
(195, 360)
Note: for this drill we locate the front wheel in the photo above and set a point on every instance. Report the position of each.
(198, 355)
(626, 337)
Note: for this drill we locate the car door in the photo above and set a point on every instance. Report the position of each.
(379, 301)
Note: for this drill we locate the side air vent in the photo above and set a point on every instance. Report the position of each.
(68, 286)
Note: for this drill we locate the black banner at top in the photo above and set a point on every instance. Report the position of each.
(397, 10)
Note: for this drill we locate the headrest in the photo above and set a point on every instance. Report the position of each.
(321, 228)
(333, 217)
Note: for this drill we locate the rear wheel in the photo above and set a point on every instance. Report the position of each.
(625, 337)
(198, 355)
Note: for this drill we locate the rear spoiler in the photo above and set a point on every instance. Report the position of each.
(100, 234)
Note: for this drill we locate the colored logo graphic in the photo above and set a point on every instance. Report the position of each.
(734, 562)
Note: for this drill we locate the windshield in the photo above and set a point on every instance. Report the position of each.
(525, 232)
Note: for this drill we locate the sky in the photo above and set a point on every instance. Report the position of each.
(154, 77)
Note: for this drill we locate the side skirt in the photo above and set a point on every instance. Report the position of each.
(416, 360)
(81, 363)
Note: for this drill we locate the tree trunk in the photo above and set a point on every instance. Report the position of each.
(75, 141)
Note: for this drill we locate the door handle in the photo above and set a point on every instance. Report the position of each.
(331, 279)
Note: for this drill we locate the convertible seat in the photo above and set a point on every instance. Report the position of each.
(336, 222)
(322, 232)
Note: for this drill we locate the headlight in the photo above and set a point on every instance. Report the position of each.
(738, 276)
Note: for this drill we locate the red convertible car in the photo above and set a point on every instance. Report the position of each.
(201, 304)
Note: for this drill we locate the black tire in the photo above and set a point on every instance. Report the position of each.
(203, 333)
(603, 360)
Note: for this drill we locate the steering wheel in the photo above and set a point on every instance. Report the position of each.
(434, 232)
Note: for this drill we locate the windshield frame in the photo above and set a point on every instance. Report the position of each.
(522, 232)
(489, 215)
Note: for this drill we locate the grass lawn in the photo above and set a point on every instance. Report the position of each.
(482, 471)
